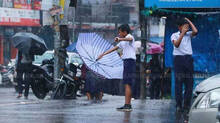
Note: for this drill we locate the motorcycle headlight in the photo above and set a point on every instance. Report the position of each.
(210, 100)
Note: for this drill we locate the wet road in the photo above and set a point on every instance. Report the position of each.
(14, 110)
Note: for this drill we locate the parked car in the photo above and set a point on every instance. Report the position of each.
(73, 58)
(39, 58)
(206, 98)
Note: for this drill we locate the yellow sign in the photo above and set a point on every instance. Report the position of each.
(62, 4)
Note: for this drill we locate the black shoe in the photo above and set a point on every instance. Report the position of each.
(178, 114)
(126, 107)
(186, 115)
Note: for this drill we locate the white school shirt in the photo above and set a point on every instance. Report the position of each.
(128, 48)
(185, 47)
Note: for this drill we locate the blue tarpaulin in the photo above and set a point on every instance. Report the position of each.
(183, 3)
(206, 45)
(157, 40)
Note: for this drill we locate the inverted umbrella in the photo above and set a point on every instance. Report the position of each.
(90, 46)
(29, 43)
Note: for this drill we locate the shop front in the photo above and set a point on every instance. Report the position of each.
(12, 21)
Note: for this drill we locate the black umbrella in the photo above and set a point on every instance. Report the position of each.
(29, 43)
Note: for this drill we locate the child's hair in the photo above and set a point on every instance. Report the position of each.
(124, 27)
(181, 22)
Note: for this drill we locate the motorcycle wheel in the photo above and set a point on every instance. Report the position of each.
(71, 91)
(59, 92)
(39, 89)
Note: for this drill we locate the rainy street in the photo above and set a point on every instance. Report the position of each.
(109, 61)
(33, 110)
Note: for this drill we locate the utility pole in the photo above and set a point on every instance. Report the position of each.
(143, 52)
(143, 63)
(55, 13)
(73, 23)
(72, 8)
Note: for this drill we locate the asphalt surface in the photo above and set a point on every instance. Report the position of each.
(33, 110)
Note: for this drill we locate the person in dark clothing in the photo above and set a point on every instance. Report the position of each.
(166, 83)
(136, 85)
(23, 69)
(155, 77)
(93, 84)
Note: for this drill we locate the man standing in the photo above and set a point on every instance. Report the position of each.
(183, 63)
(23, 67)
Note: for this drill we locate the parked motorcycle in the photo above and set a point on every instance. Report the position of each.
(64, 88)
(41, 80)
(7, 75)
(68, 85)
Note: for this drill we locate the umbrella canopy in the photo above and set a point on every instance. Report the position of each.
(153, 48)
(90, 46)
(72, 47)
(29, 43)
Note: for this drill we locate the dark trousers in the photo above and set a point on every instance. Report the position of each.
(25, 70)
(183, 66)
(155, 87)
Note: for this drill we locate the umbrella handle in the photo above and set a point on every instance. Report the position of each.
(113, 43)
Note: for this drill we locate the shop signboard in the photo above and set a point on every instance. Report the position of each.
(22, 4)
(37, 4)
(19, 17)
(183, 3)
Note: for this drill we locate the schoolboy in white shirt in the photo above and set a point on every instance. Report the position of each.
(183, 64)
(126, 43)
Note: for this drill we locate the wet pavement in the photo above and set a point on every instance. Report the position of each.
(33, 110)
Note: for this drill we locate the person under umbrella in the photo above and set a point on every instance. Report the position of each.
(28, 45)
(23, 67)
(129, 58)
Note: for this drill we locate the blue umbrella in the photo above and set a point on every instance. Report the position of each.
(90, 46)
(72, 47)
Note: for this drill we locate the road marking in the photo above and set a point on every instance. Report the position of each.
(20, 103)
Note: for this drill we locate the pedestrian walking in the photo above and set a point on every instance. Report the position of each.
(23, 69)
(155, 71)
(183, 64)
(126, 43)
